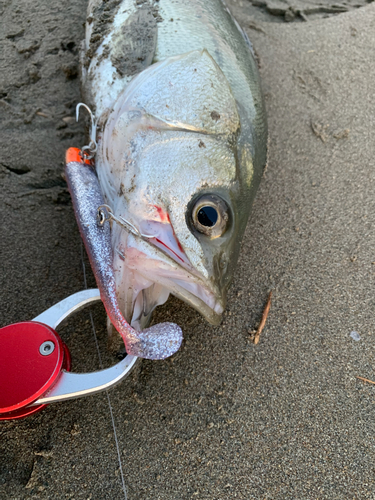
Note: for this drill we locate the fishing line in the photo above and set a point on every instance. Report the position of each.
(101, 367)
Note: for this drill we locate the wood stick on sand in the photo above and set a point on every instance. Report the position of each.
(264, 319)
(365, 380)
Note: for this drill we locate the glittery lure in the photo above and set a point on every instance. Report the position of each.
(157, 342)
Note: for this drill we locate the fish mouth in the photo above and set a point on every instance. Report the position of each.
(147, 271)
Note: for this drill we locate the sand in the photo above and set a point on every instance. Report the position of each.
(222, 419)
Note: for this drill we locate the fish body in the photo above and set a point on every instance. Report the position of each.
(182, 144)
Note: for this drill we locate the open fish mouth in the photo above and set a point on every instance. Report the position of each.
(146, 274)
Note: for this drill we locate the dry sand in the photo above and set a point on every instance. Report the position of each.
(223, 419)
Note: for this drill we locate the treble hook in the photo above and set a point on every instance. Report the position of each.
(93, 146)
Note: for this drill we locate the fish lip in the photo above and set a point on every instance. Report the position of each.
(197, 303)
(212, 313)
(213, 317)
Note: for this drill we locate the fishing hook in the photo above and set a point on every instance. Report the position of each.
(109, 215)
(92, 146)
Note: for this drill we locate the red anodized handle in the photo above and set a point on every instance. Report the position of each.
(32, 357)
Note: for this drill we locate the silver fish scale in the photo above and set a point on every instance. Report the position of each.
(199, 24)
(203, 90)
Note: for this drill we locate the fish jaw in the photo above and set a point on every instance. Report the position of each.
(148, 270)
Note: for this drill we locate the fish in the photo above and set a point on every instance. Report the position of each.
(180, 148)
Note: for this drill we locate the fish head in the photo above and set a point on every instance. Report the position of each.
(177, 175)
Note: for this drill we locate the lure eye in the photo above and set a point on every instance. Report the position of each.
(210, 215)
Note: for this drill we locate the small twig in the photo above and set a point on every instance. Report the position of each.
(41, 113)
(264, 319)
(366, 380)
(256, 27)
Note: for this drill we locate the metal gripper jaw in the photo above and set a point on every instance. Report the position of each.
(35, 363)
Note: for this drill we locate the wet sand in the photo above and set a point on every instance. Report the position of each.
(286, 419)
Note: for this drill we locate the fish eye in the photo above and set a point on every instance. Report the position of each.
(207, 216)
(210, 216)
